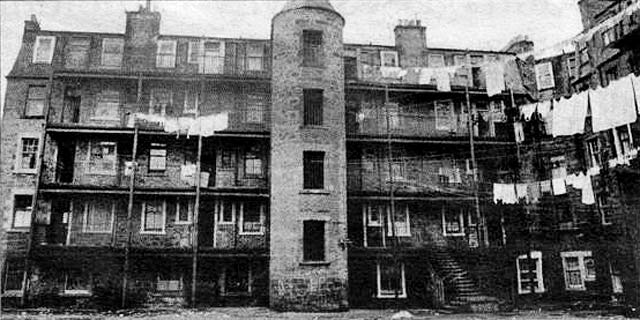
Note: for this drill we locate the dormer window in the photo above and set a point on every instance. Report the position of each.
(166, 56)
(43, 49)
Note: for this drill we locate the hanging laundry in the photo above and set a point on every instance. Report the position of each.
(212, 123)
(390, 72)
(171, 125)
(587, 192)
(204, 179)
(527, 109)
(569, 115)
(442, 79)
(533, 191)
(504, 193)
(512, 76)
(559, 186)
(494, 78)
(613, 105)
(545, 186)
(518, 130)
(426, 74)
(187, 173)
(636, 88)
(521, 191)
(457, 178)
(194, 127)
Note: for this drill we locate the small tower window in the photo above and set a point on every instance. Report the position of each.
(313, 107)
(313, 241)
(313, 164)
(311, 47)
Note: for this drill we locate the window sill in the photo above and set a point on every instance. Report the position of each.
(399, 235)
(226, 223)
(454, 234)
(251, 233)
(157, 173)
(393, 296)
(76, 293)
(102, 173)
(236, 294)
(315, 263)
(19, 230)
(183, 223)
(96, 232)
(152, 233)
(25, 171)
(12, 294)
(104, 119)
(315, 191)
(575, 289)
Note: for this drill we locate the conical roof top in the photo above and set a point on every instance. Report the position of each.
(297, 4)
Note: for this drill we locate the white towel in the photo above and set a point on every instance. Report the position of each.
(390, 72)
(559, 187)
(569, 115)
(212, 123)
(494, 78)
(426, 74)
(505, 193)
(636, 88)
(587, 192)
(527, 109)
(518, 130)
(442, 80)
(521, 191)
(613, 105)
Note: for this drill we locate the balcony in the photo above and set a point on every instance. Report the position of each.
(378, 74)
(626, 34)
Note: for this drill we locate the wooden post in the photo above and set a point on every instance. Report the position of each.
(132, 181)
(34, 199)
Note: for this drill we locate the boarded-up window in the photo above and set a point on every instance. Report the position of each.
(313, 164)
(21, 211)
(153, 214)
(444, 115)
(103, 158)
(255, 57)
(36, 97)
(311, 48)
(112, 50)
(77, 53)
(256, 108)
(107, 106)
(544, 76)
(43, 50)
(391, 280)
(28, 154)
(313, 101)
(252, 165)
(167, 283)
(166, 55)
(313, 240)
(158, 157)
(160, 100)
(98, 216)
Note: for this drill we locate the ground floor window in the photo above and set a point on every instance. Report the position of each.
(237, 279)
(77, 282)
(530, 273)
(579, 267)
(391, 280)
(12, 278)
(169, 283)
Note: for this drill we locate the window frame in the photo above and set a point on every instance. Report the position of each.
(5, 274)
(255, 103)
(249, 274)
(103, 97)
(309, 181)
(111, 41)
(369, 209)
(261, 222)
(169, 56)
(251, 155)
(186, 109)
(73, 44)
(191, 51)
(380, 294)
(399, 232)
(163, 106)
(143, 216)
(313, 107)
(19, 153)
(537, 256)
(593, 151)
(30, 99)
(157, 147)
(29, 212)
(159, 281)
(219, 208)
(36, 46)
(434, 56)
(89, 208)
(544, 80)
(460, 217)
(190, 205)
(395, 61)
(75, 292)
(603, 207)
(253, 56)
(219, 56)
(92, 167)
(312, 51)
(584, 274)
(308, 254)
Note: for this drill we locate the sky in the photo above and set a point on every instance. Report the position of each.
(474, 24)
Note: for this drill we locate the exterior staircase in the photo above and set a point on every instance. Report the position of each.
(462, 293)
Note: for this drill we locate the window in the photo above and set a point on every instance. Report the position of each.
(459, 60)
(311, 48)
(453, 221)
(112, 50)
(166, 56)
(374, 215)
(558, 167)
(227, 159)
(237, 279)
(159, 101)
(103, 158)
(43, 50)
(616, 279)
(98, 216)
(625, 140)
(436, 61)
(213, 57)
(313, 240)
(544, 75)
(158, 157)
(12, 277)
(77, 283)
(400, 226)
(391, 280)
(255, 57)
(573, 66)
(397, 167)
(168, 283)
(609, 75)
(530, 273)
(77, 52)
(594, 152)
(605, 210)
(36, 97)
(476, 59)
(251, 219)
(608, 36)
(184, 210)
(313, 101)
(107, 106)
(583, 52)
(190, 102)
(252, 165)
(28, 155)
(388, 58)
(256, 108)
(21, 211)
(153, 216)
(578, 267)
(313, 163)
(195, 51)
(226, 212)
(444, 115)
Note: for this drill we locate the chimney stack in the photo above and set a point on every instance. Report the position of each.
(411, 41)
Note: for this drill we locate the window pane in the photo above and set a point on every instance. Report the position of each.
(112, 52)
(22, 211)
(311, 47)
(313, 105)
(313, 240)
(44, 49)
(184, 213)
(251, 219)
(35, 101)
(227, 211)
(313, 164)
(153, 217)
(158, 157)
(29, 153)
(391, 279)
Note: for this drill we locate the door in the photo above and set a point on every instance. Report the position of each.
(58, 226)
(66, 161)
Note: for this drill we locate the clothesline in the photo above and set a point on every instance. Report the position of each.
(531, 192)
(202, 125)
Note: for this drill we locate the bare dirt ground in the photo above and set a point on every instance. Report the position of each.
(264, 313)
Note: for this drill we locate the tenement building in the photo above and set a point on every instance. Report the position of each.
(297, 172)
